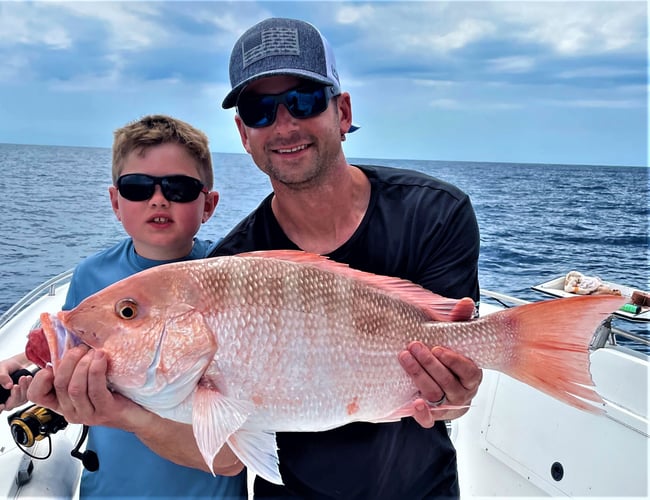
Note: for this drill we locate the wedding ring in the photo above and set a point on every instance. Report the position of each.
(441, 401)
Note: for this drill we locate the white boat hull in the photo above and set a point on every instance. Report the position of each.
(58, 476)
(517, 441)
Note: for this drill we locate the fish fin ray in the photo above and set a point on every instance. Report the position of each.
(551, 350)
(257, 450)
(215, 418)
(408, 410)
(434, 306)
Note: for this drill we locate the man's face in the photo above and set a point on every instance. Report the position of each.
(294, 152)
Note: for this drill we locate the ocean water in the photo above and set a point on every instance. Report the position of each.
(537, 221)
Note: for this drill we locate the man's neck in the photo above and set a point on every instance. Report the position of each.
(323, 218)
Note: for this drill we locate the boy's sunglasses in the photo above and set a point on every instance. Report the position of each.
(177, 188)
(260, 110)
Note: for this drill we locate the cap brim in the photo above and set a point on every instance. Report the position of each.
(231, 99)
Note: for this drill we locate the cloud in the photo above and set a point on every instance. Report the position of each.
(514, 64)
(129, 26)
(445, 104)
(578, 28)
(597, 103)
(473, 105)
(12, 67)
(601, 72)
(28, 25)
(463, 41)
(476, 60)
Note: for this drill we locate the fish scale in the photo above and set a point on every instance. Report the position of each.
(302, 303)
(246, 346)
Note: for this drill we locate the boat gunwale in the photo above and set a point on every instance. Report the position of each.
(50, 286)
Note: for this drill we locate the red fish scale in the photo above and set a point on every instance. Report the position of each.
(290, 364)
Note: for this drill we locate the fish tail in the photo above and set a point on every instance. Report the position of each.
(550, 348)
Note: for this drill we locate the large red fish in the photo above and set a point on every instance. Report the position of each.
(246, 346)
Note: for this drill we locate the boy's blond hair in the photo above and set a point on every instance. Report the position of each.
(153, 130)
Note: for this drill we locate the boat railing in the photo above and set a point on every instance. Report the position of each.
(615, 331)
(48, 287)
(606, 333)
(503, 299)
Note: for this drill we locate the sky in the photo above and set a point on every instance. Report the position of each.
(505, 81)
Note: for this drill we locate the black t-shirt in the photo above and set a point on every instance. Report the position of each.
(417, 228)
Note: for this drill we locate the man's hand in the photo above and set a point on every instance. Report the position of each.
(440, 373)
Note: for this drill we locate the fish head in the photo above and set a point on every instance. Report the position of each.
(153, 328)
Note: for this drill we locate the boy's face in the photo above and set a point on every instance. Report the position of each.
(161, 229)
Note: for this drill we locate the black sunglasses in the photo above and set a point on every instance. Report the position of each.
(260, 110)
(178, 188)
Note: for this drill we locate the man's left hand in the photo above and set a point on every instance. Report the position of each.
(440, 373)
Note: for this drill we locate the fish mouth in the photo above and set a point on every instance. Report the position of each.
(59, 339)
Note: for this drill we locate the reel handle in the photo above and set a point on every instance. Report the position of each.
(15, 376)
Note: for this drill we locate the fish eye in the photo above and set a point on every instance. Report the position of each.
(126, 308)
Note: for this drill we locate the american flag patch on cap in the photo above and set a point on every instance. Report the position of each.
(270, 42)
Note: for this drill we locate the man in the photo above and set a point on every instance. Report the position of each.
(292, 118)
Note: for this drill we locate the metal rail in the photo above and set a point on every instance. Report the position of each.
(49, 286)
(502, 298)
(630, 336)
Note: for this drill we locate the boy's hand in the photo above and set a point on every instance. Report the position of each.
(18, 390)
(79, 392)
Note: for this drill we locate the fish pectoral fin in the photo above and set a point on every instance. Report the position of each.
(258, 450)
(214, 418)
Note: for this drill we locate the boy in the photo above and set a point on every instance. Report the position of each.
(161, 193)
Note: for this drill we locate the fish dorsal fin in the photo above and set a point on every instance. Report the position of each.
(435, 306)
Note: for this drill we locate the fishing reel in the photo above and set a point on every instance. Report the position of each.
(35, 423)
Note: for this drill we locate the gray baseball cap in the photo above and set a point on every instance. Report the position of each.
(279, 46)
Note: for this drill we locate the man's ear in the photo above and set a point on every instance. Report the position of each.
(243, 134)
(345, 112)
